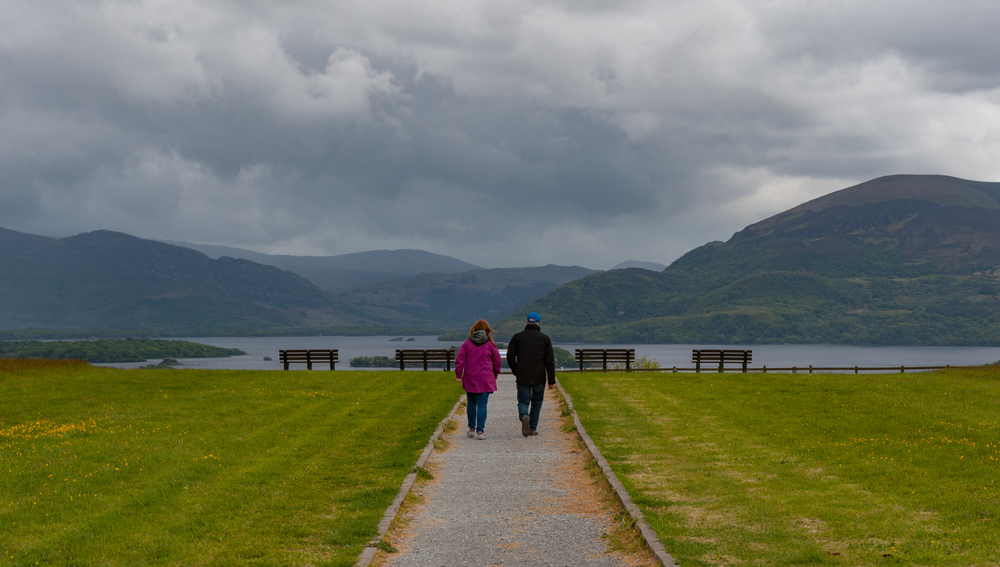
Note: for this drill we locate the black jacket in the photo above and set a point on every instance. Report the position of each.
(530, 357)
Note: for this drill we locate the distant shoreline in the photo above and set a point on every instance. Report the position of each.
(84, 334)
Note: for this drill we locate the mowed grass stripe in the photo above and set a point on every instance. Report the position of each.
(124, 467)
(198, 479)
(806, 469)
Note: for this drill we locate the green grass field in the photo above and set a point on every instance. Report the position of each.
(102, 466)
(823, 469)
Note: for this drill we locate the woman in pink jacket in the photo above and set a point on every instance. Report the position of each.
(476, 367)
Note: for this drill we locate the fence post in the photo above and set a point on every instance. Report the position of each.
(765, 369)
(697, 362)
(855, 368)
(579, 356)
(425, 359)
(810, 368)
(901, 369)
(309, 362)
(794, 370)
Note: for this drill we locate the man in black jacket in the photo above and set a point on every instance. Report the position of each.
(530, 358)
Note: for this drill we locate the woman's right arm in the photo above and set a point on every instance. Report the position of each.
(460, 361)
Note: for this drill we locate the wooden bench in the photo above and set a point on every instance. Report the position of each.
(721, 357)
(405, 355)
(330, 356)
(606, 355)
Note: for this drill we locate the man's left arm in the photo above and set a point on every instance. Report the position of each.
(550, 364)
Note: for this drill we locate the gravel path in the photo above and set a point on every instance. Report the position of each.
(507, 500)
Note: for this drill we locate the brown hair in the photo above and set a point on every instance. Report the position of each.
(482, 325)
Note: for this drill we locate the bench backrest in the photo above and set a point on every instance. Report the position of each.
(316, 355)
(721, 357)
(330, 356)
(425, 356)
(606, 355)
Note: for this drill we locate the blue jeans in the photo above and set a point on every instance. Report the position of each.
(476, 410)
(533, 394)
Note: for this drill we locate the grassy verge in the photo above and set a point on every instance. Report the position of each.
(622, 535)
(129, 467)
(796, 469)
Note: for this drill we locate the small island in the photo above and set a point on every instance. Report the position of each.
(373, 362)
(113, 350)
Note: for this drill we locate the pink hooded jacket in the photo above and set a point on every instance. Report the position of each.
(477, 366)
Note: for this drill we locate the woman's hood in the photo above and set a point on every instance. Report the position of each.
(479, 337)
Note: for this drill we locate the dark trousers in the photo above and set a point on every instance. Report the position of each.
(532, 395)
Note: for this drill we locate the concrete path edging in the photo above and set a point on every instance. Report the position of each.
(390, 513)
(648, 535)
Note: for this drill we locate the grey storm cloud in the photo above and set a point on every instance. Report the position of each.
(505, 134)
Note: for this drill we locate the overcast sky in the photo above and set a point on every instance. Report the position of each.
(504, 133)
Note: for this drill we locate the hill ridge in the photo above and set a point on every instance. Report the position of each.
(880, 265)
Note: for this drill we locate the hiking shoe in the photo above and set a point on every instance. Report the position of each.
(480, 435)
(534, 432)
(525, 426)
(471, 433)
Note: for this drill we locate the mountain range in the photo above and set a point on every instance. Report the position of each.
(903, 259)
(346, 271)
(110, 280)
(103, 281)
(458, 300)
(414, 287)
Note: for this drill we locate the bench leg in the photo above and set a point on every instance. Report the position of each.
(286, 366)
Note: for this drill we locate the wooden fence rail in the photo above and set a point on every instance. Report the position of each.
(785, 369)
(902, 369)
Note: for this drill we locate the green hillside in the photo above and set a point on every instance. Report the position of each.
(897, 260)
(109, 280)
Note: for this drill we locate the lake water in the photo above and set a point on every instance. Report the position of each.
(666, 354)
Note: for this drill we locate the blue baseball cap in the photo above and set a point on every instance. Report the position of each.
(534, 318)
